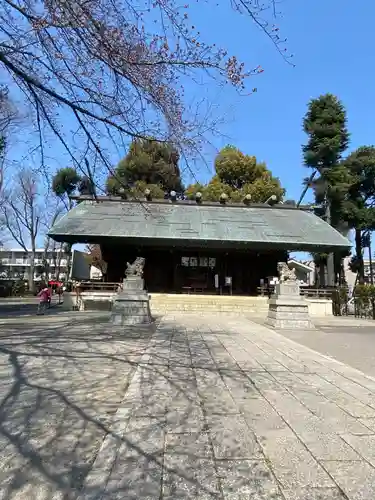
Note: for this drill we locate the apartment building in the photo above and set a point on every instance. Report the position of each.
(15, 263)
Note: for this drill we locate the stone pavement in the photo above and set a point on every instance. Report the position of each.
(202, 408)
(223, 408)
(61, 381)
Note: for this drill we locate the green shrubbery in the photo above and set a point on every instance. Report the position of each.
(364, 298)
(19, 288)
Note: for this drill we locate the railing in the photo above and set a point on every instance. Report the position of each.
(100, 286)
(318, 293)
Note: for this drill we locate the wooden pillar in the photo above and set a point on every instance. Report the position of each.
(115, 267)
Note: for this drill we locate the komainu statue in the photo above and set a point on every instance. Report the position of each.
(285, 273)
(135, 269)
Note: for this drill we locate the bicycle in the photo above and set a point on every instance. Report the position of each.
(42, 306)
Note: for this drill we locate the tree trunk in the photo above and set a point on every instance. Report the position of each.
(322, 275)
(68, 252)
(316, 276)
(32, 268)
(359, 256)
(337, 259)
(58, 255)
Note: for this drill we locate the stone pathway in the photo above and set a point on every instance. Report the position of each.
(223, 408)
(61, 381)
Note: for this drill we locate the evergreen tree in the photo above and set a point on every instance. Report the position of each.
(64, 183)
(237, 175)
(359, 206)
(325, 124)
(148, 163)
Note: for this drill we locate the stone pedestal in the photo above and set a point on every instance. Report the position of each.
(131, 306)
(287, 309)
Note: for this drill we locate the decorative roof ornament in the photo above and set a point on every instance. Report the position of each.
(271, 200)
(223, 198)
(247, 199)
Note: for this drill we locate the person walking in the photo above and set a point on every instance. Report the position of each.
(44, 298)
(60, 291)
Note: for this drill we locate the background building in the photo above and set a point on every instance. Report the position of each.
(81, 268)
(304, 271)
(15, 263)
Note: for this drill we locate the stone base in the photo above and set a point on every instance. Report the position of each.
(288, 310)
(132, 305)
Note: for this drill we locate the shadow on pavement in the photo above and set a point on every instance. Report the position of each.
(10, 310)
(60, 388)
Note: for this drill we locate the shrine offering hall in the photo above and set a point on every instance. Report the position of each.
(197, 247)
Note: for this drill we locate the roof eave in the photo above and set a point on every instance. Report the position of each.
(194, 243)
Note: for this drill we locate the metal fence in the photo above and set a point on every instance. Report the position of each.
(359, 305)
(308, 292)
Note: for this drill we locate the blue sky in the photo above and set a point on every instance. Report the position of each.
(332, 42)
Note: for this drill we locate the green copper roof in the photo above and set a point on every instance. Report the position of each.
(183, 223)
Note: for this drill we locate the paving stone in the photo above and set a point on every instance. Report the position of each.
(251, 366)
(337, 418)
(286, 361)
(231, 437)
(355, 406)
(368, 422)
(133, 478)
(314, 494)
(146, 406)
(356, 479)
(214, 404)
(352, 381)
(287, 406)
(319, 405)
(328, 446)
(267, 382)
(131, 468)
(247, 479)
(245, 358)
(239, 384)
(143, 435)
(260, 416)
(364, 445)
(189, 479)
(185, 373)
(213, 393)
(192, 444)
(184, 418)
(189, 470)
(292, 464)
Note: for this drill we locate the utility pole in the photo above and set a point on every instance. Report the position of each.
(330, 258)
(366, 239)
(370, 259)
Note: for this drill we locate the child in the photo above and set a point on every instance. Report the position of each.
(44, 297)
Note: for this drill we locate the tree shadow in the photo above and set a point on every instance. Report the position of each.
(61, 389)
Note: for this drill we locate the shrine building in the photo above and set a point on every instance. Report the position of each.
(196, 246)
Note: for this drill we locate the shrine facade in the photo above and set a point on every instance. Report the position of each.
(196, 247)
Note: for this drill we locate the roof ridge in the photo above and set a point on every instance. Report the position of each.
(117, 199)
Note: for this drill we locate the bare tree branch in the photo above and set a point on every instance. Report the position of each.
(98, 62)
(22, 212)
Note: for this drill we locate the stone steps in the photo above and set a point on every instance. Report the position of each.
(163, 303)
